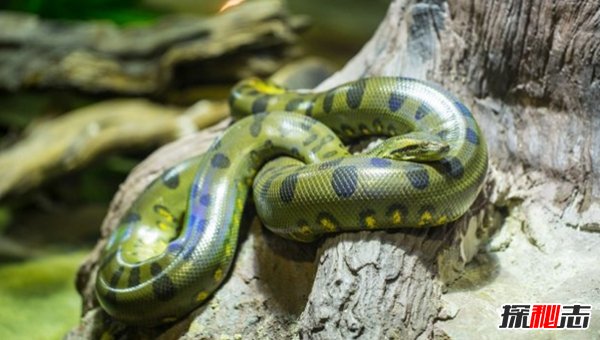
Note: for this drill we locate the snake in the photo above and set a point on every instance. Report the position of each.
(288, 152)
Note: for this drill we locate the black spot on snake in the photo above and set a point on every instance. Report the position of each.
(260, 104)
(155, 269)
(307, 123)
(328, 101)
(264, 191)
(293, 104)
(463, 109)
(344, 181)
(268, 144)
(295, 152)
(322, 143)
(163, 288)
(310, 139)
(288, 187)
(395, 101)
(380, 162)
(256, 126)
(422, 111)
(418, 177)
(220, 161)
(171, 178)
(355, 94)
(330, 164)
(452, 167)
(134, 277)
(472, 136)
(330, 154)
(205, 200)
(114, 279)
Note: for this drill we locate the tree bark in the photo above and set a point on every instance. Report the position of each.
(530, 71)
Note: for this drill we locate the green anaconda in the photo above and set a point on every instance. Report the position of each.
(176, 244)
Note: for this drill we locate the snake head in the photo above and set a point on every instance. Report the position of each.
(247, 91)
(419, 147)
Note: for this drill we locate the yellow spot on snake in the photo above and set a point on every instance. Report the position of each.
(443, 219)
(426, 218)
(236, 219)
(370, 222)
(396, 217)
(201, 296)
(166, 214)
(327, 224)
(218, 274)
(267, 87)
(305, 230)
(239, 203)
(164, 226)
(228, 250)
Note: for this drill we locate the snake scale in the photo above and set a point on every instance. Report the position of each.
(176, 243)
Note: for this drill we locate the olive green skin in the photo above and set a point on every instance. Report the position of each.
(166, 257)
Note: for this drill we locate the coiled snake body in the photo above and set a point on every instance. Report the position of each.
(176, 244)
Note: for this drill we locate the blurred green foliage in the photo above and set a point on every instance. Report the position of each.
(99, 183)
(5, 218)
(37, 297)
(119, 11)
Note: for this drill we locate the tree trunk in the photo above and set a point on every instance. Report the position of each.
(530, 71)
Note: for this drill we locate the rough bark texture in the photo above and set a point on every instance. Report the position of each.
(529, 71)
